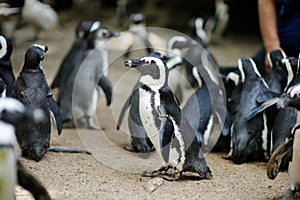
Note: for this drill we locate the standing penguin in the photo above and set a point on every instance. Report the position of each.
(6, 71)
(140, 34)
(13, 113)
(33, 91)
(168, 129)
(217, 24)
(74, 55)
(291, 98)
(91, 73)
(248, 138)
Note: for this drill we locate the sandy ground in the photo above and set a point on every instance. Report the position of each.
(113, 173)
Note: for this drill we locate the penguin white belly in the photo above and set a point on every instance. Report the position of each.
(146, 113)
(8, 173)
(294, 166)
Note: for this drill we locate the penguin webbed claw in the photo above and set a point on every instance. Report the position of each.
(161, 171)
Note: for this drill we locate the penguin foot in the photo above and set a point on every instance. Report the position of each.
(161, 171)
(289, 194)
(172, 177)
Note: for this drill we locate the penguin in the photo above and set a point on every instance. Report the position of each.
(13, 113)
(140, 34)
(201, 113)
(280, 122)
(291, 145)
(175, 47)
(171, 133)
(195, 52)
(139, 140)
(40, 15)
(6, 69)
(33, 91)
(73, 57)
(216, 25)
(84, 81)
(248, 141)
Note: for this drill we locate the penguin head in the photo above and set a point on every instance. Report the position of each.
(85, 27)
(180, 42)
(136, 18)
(6, 47)
(196, 30)
(275, 57)
(248, 70)
(34, 57)
(153, 70)
(100, 35)
(290, 66)
(291, 98)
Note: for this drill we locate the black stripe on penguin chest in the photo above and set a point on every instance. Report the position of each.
(153, 108)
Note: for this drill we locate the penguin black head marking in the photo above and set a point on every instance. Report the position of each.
(85, 27)
(99, 35)
(6, 47)
(34, 56)
(152, 69)
(136, 18)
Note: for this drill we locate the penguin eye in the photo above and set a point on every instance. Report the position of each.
(147, 62)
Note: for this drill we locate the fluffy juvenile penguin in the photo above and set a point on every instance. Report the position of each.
(248, 138)
(6, 71)
(75, 53)
(169, 131)
(91, 73)
(292, 99)
(33, 91)
(13, 113)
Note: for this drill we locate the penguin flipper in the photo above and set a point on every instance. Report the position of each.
(30, 183)
(261, 108)
(122, 114)
(56, 112)
(56, 81)
(277, 156)
(107, 88)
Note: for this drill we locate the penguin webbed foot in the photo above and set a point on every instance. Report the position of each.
(161, 171)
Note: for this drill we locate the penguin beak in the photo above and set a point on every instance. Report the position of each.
(17, 117)
(114, 34)
(132, 63)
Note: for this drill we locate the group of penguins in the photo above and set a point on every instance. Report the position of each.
(258, 123)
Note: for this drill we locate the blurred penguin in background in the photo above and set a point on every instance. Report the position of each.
(40, 15)
(216, 25)
(139, 32)
(75, 53)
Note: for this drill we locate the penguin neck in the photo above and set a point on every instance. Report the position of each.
(155, 83)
